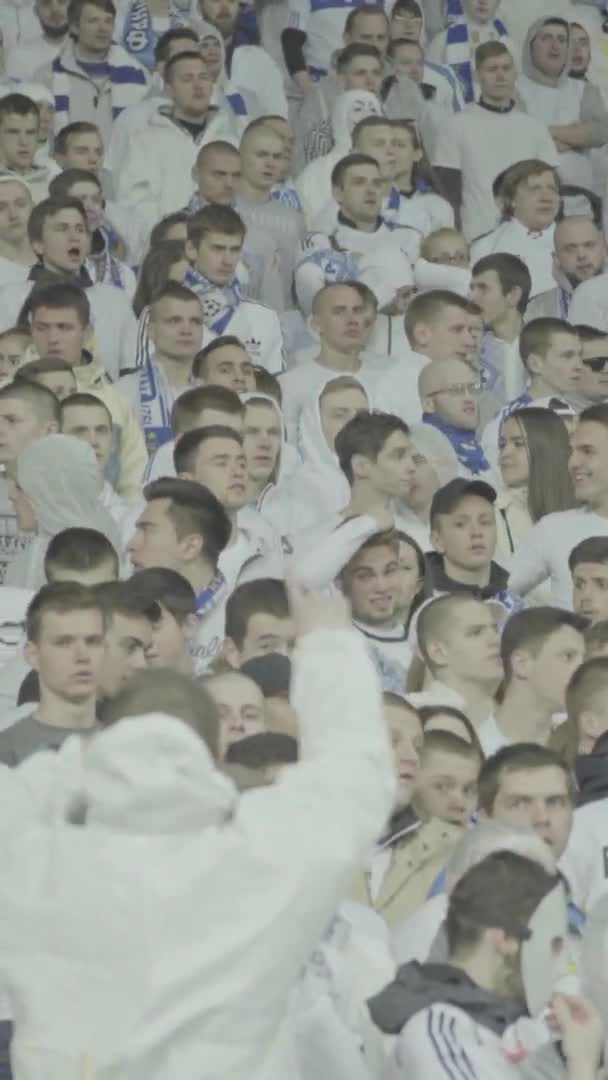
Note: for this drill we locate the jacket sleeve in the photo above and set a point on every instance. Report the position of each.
(138, 182)
(274, 351)
(317, 824)
(529, 567)
(445, 1044)
(133, 456)
(593, 111)
(317, 567)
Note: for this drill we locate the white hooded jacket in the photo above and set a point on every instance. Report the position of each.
(153, 923)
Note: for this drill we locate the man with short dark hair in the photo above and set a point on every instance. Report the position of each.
(507, 925)
(19, 124)
(500, 286)
(257, 621)
(57, 230)
(82, 77)
(155, 177)
(185, 528)
(65, 641)
(588, 564)
(176, 626)
(214, 457)
(540, 649)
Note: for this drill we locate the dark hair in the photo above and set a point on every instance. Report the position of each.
(34, 369)
(511, 272)
(124, 598)
(49, 208)
(409, 7)
(214, 146)
(515, 758)
(367, 9)
(429, 712)
(264, 596)
(369, 122)
(78, 127)
(80, 550)
(263, 750)
(427, 306)
(214, 218)
(194, 509)
(592, 550)
(75, 8)
(61, 597)
(449, 743)
(175, 695)
(18, 105)
(59, 187)
(350, 161)
(186, 450)
(586, 684)
(363, 291)
(595, 414)
(500, 892)
(536, 336)
(158, 233)
(199, 364)
(169, 589)
(529, 629)
(548, 445)
(424, 175)
(596, 636)
(57, 295)
(489, 51)
(172, 290)
(355, 51)
(189, 405)
(187, 54)
(268, 384)
(82, 399)
(365, 434)
(165, 41)
(41, 400)
(154, 272)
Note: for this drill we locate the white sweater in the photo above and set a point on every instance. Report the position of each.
(145, 992)
(546, 550)
(585, 861)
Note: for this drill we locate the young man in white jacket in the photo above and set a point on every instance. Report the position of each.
(214, 999)
(155, 178)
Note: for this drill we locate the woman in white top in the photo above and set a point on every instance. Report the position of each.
(418, 185)
(534, 448)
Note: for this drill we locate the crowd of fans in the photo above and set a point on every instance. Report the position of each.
(303, 539)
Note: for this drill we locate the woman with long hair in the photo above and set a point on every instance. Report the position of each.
(417, 182)
(533, 452)
(164, 262)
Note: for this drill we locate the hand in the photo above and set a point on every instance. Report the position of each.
(580, 1031)
(303, 82)
(317, 611)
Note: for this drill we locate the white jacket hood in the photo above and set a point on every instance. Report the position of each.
(153, 774)
(320, 469)
(349, 108)
(287, 459)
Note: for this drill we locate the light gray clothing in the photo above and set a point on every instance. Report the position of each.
(29, 735)
(285, 226)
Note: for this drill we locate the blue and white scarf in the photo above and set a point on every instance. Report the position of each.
(139, 37)
(154, 403)
(128, 84)
(459, 49)
(219, 302)
(104, 267)
(465, 444)
(287, 194)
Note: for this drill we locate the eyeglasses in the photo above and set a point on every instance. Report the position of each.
(458, 389)
(596, 363)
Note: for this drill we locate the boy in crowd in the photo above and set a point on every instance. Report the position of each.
(446, 786)
(588, 563)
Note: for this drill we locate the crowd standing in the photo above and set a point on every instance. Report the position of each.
(303, 539)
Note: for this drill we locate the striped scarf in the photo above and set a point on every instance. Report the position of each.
(139, 37)
(459, 52)
(128, 84)
(219, 302)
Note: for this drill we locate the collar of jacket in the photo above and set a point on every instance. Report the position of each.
(82, 278)
(418, 986)
(591, 772)
(499, 578)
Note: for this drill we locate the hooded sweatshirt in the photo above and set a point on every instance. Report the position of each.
(314, 182)
(144, 806)
(563, 100)
(59, 476)
(317, 487)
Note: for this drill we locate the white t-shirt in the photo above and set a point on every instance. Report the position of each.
(481, 143)
(546, 551)
(491, 737)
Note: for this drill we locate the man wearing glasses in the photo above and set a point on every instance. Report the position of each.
(450, 394)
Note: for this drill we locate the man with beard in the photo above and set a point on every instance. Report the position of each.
(506, 929)
(579, 255)
(33, 53)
